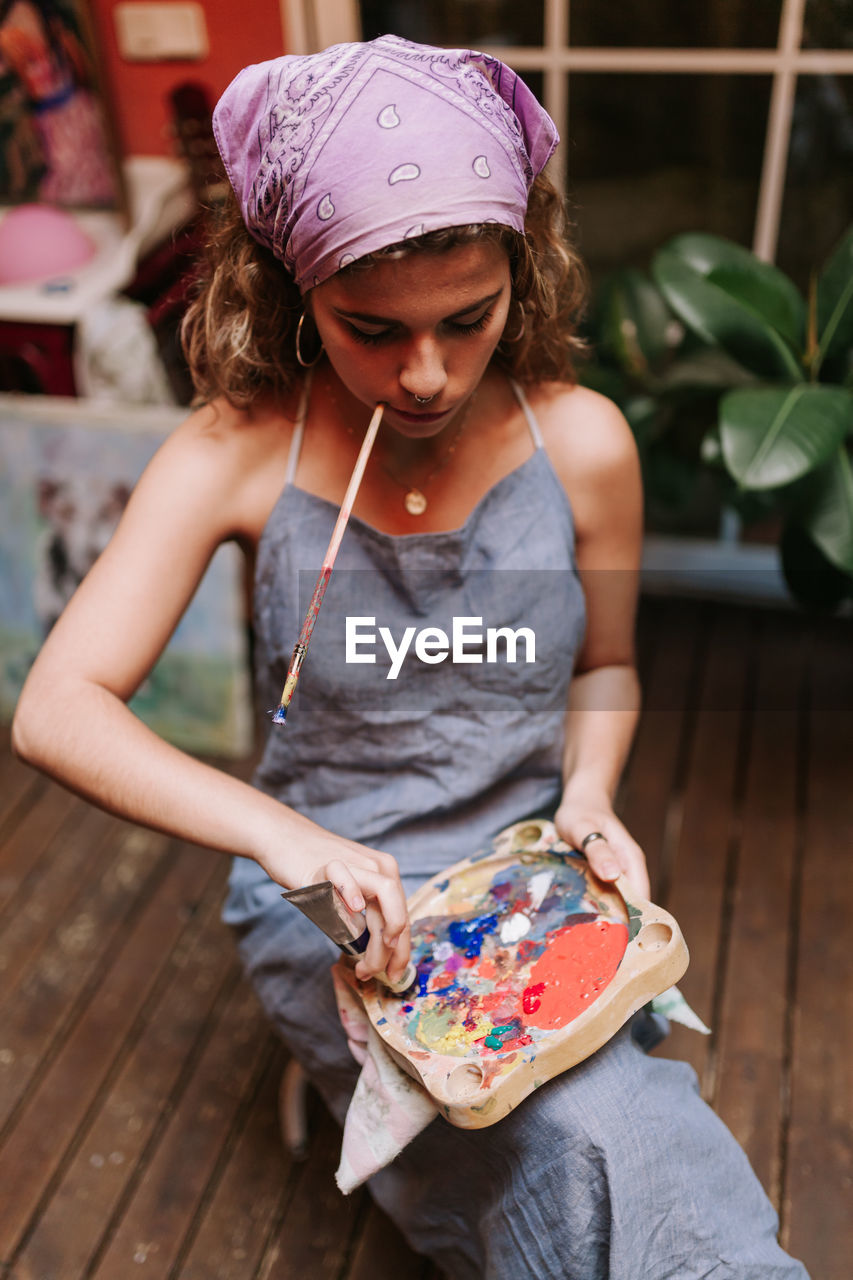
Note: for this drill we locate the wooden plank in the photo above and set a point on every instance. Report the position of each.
(75, 856)
(46, 1124)
(250, 1196)
(698, 894)
(38, 1014)
(817, 1218)
(650, 788)
(156, 1223)
(318, 1224)
(36, 827)
(124, 1124)
(18, 785)
(753, 1017)
(646, 633)
(383, 1254)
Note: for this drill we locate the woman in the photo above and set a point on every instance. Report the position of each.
(393, 235)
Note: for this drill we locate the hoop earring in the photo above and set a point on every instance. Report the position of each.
(306, 364)
(516, 337)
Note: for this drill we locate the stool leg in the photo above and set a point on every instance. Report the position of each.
(292, 1110)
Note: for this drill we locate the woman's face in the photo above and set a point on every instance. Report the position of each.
(423, 325)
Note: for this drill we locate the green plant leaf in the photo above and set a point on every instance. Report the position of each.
(722, 319)
(785, 313)
(636, 322)
(827, 512)
(705, 367)
(772, 436)
(813, 580)
(761, 287)
(835, 302)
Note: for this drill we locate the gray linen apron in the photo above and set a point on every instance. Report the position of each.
(616, 1168)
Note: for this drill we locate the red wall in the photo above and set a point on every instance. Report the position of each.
(238, 32)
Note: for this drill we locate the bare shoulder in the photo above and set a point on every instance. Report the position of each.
(221, 459)
(593, 452)
(582, 429)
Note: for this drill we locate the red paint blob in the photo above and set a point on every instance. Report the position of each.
(531, 999)
(578, 963)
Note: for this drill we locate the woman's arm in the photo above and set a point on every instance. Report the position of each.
(72, 721)
(596, 458)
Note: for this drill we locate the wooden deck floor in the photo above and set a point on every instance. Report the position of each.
(138, 1079)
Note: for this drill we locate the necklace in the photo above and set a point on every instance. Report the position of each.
(414, 498)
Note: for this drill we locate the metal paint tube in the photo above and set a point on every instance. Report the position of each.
(325, 907)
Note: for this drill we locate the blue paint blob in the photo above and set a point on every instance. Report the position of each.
(468, 935)
(424, 972)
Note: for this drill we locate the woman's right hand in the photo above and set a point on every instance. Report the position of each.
(367, 880)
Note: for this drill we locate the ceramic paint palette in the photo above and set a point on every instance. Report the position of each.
(526, 963)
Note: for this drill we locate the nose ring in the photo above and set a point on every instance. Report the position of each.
(425, 399)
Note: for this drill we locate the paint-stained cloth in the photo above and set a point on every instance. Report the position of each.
(615, 1170)
(388, 1108)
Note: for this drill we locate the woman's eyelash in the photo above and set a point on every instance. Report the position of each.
(476, 326)
(374, 339)
(369, 339)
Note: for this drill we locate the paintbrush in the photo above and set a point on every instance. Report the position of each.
(301, 646)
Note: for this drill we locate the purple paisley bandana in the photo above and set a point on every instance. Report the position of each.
(343, 152)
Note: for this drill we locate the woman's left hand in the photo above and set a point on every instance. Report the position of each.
(617, 854)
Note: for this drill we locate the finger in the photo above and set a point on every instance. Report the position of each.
(388, 922)
(345, 882)
(400, 955)
(604, 864)
(630, 860)
(601, 856)
(375, 959)
(636, 872)
(388, 894)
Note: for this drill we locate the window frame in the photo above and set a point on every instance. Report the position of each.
(313, 24)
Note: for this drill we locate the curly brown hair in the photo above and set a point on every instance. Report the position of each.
(239, 331)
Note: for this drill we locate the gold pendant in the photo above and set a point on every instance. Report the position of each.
(415, 502)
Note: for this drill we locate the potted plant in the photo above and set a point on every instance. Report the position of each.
(739, 388)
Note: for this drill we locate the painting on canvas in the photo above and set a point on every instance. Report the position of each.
(66, 470)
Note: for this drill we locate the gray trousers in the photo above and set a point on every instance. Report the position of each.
(615, 1170)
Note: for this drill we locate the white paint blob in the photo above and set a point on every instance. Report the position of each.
(514, 927)
(538, 888)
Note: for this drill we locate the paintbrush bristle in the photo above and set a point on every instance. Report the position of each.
(279, 716)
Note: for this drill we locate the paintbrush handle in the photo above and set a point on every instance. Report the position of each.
(352, 487)
(322, 582)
